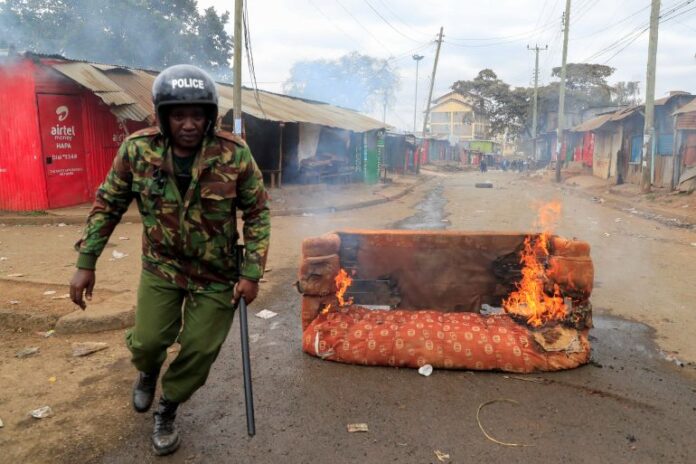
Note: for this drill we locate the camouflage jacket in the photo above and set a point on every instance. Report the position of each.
(189, 241)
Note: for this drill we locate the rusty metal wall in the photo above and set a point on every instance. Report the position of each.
(103, 135)
(22, 178)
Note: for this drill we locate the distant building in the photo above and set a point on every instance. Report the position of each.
(457, 116)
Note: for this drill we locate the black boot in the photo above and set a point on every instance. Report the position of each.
(165, 437)
(144, 390)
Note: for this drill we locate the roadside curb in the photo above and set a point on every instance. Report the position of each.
(112, 314)
(654, 214)
(95, 321)
(53, 219)
(350, 206)
(120, 314)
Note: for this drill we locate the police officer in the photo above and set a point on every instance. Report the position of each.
(188, 180)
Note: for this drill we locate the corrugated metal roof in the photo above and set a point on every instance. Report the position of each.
(626, 112)
(275, 107)
(87, 75)
(688, 108)
(594, 123)
(137, 84)
(93, 78)
(672, 94)
(128, 94)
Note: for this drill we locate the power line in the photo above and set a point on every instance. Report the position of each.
(250, 58)
(627, 39)
(505, 38)
(590, 6)
(407, 54)
(351, 37)
(398, 18)
(612, 25)
(363, 26)
(388, 23)
(643, 32)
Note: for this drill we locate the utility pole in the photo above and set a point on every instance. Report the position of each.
(237, 90)
(430, 94)
(561, 93)
(535, 116)
(417, 59)
(649, 129)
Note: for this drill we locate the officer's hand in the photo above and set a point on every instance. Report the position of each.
(82, 282)
(247, 289)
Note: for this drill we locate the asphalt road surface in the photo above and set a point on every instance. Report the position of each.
(634, 403)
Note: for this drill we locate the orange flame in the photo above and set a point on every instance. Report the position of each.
(342, 281)
(529, 299)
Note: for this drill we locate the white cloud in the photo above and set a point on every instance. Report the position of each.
(286, 31)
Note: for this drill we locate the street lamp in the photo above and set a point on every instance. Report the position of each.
(417, 59)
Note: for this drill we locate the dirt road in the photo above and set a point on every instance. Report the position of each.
(629, 405)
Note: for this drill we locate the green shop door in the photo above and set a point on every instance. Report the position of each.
(371, 158)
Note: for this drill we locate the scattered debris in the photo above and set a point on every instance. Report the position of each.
(263, 281)
(631, 438)
(62, 224)
(484, 185)
(617, 220)
(14, 302)
(15, 275)
(307, 214)
(1, 424)
(48, 333)
(49, 292)
(268, 269)
(607, 234)
(3, 258)
(425, 370)
(123, 238)
(527, 379)
(86, 348)
(52, 379)
(64, 296)
(353, 428)
(478, 420)
(442, 457)
(598, 199)
(693, 244)
(118, 255)
(672, 357)
(42, 412)
(487, 309)
(266, 314)
(26, 352)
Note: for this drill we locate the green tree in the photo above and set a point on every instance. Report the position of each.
(353, 81)
(505, 107)
(626, 93)
(586, 87)
(138, 33)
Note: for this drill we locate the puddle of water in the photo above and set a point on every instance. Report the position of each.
(430, 215)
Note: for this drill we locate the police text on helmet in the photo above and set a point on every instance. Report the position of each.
(188, 83)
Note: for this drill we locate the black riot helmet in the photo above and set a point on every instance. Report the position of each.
(184, 84)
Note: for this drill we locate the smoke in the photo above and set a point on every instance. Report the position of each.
(150, 34)
(354, 81)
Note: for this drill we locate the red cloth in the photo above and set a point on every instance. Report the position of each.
(357, 335)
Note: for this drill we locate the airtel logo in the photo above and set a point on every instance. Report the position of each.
(62, 112)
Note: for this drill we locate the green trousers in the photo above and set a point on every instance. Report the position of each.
(165, 314)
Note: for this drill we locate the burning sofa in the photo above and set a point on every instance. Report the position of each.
(486, 301)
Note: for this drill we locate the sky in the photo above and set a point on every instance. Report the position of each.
(477, 34)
